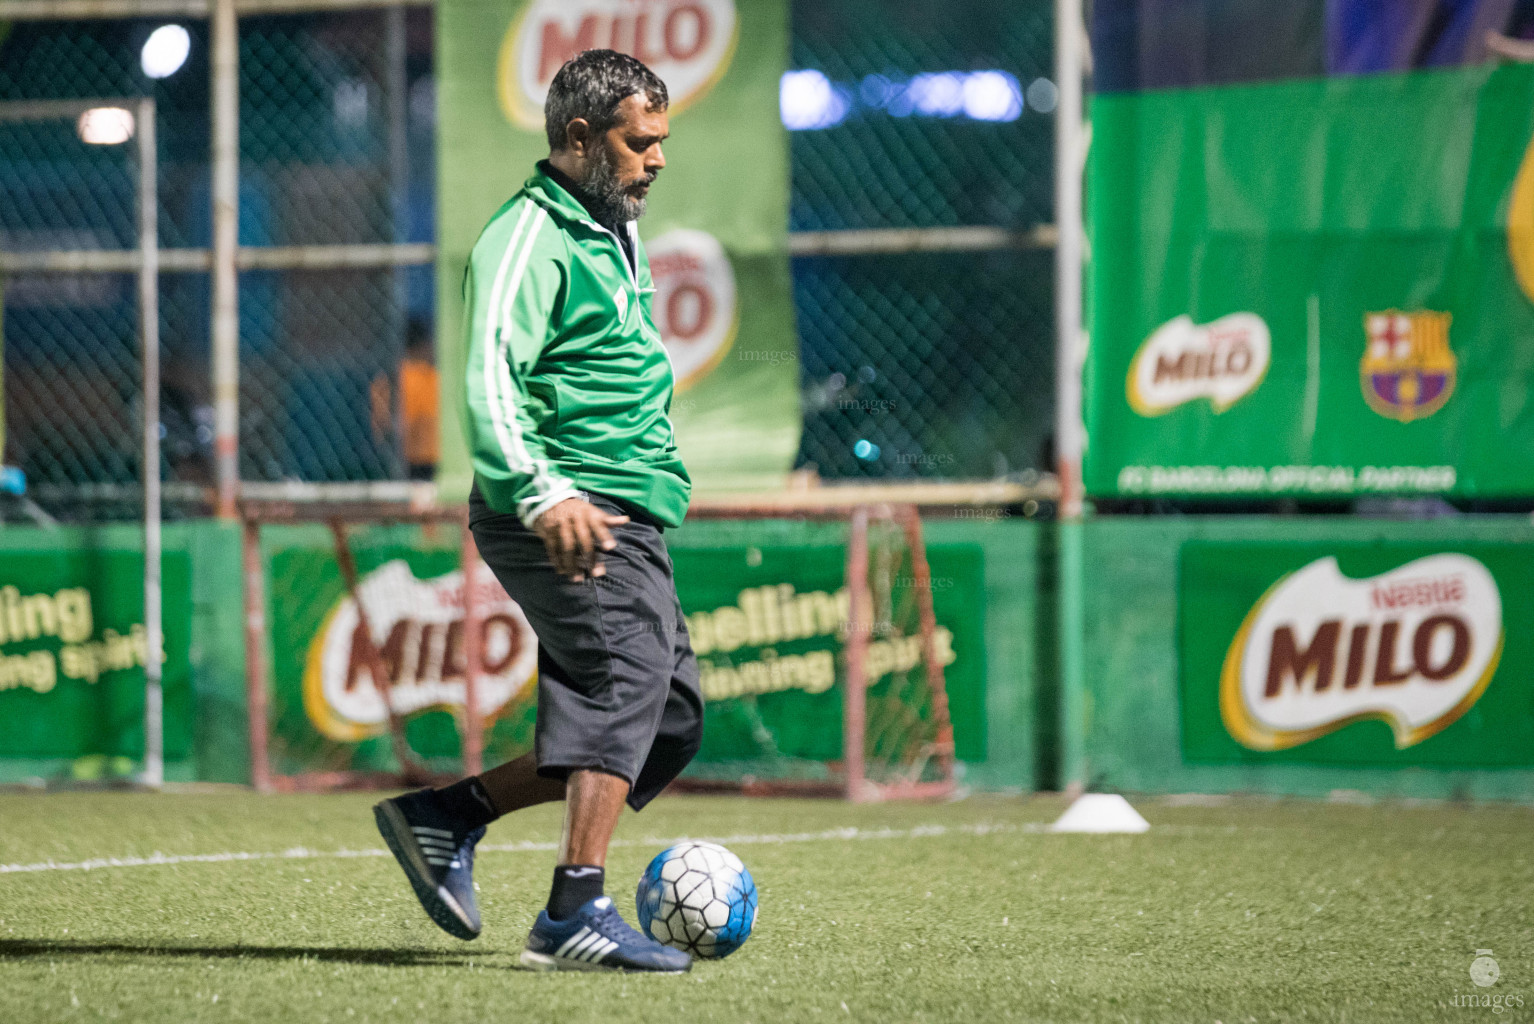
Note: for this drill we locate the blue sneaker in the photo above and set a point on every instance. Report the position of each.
(437, 853)
(597, 939)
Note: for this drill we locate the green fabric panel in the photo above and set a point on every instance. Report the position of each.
(205, 696)
(1003, 719)
(1312, 205)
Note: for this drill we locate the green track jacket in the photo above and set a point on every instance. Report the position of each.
(568, 384)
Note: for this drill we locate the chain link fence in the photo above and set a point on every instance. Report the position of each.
(914, 365)
(336, 149)
(71, 341)
(926, 364)
(888, 164)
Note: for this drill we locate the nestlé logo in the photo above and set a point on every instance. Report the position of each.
(1414, 647)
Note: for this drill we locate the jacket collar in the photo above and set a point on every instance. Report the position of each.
(545, 189)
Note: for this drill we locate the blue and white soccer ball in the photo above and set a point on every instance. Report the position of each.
(697, 897)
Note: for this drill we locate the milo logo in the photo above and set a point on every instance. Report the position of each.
(1223, 361)
(694, 302)
(688, 43)
(1414, 647)
(418, 630)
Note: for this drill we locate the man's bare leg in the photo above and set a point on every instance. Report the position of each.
(581, 929)
(593, 801)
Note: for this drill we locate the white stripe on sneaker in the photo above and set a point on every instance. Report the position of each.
(584, 947)
(572, 940)
(422, 832)
(597, 953)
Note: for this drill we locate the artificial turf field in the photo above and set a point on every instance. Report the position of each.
(1242, 911)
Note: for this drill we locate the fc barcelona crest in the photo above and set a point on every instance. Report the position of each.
(1408, 370)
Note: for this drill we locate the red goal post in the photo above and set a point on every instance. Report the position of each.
(884, 527)
(340, 508)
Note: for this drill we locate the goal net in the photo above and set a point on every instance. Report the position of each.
(822, 665)
(381, 651)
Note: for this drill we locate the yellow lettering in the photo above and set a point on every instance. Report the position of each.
(700, 628)
(44, 670)
(74, 614)
(80, 662)
(39, 616)
(730, 628)
(11, 597)
(821, 671)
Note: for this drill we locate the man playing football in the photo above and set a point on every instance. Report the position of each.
(576, 477)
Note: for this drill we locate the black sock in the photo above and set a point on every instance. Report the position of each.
(468, 801)
(575, 885)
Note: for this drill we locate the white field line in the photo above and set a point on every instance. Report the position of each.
(765, 839)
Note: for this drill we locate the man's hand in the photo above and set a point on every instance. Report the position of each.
(576, 532)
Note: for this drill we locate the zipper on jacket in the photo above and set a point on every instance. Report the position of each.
(634, 280)
(632, 271)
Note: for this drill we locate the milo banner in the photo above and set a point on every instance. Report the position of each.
(328, 711)
(72, 653)
(1312, 265)
(716, 230)
(768, 625)
(1363, 654)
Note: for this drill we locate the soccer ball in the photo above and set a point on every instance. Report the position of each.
(699, 898)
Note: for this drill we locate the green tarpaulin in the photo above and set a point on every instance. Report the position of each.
(1314, 287)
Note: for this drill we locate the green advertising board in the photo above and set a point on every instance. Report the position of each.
(773, 692)
(72, 652)
(1367, 654)
(773, 677)
(716, 230)
(1314, 287)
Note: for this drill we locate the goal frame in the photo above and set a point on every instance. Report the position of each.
(339, 509)
(855, 786)
(418, 508)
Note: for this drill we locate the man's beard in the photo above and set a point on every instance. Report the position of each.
(610, 198)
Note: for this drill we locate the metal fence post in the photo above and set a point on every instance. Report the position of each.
(149, 334)
(1070, 153)
(226, 240)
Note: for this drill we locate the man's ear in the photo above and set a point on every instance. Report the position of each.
(578, 136)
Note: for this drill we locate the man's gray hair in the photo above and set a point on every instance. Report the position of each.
(591, 85)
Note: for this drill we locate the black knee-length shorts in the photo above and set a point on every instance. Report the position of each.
(617, 681)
